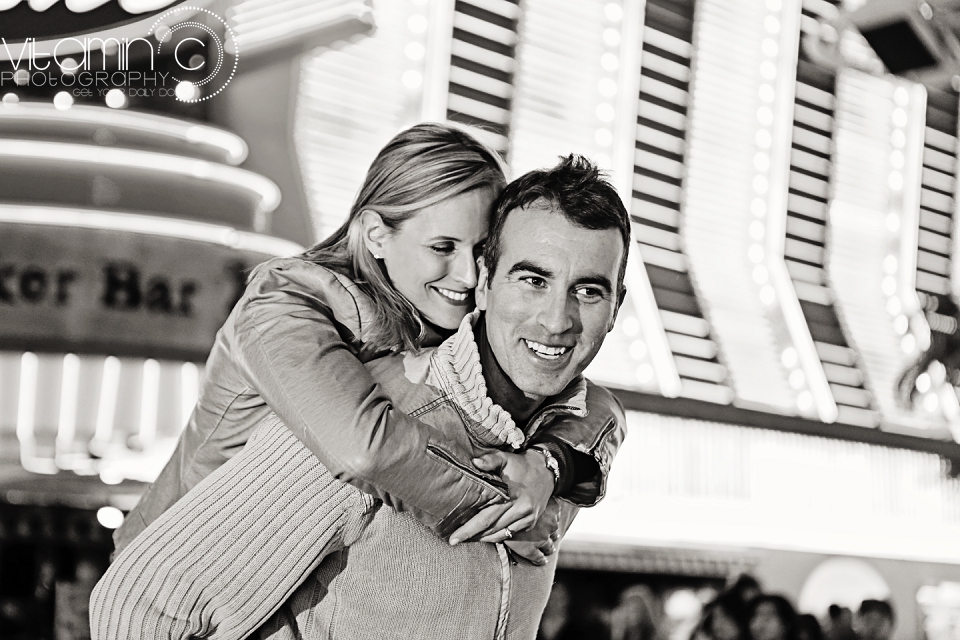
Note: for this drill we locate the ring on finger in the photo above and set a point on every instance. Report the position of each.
(507, 533)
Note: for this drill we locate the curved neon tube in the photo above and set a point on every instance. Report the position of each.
(233, 148)
(239, 179)
(149, 225)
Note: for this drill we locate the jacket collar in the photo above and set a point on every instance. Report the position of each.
(457, 361)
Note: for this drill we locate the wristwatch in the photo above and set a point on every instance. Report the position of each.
(550, 462)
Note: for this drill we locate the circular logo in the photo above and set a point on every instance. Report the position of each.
(205, 57)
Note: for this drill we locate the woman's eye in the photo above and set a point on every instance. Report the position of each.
(442, 249)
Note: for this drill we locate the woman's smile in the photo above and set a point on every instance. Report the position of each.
(432, 258)
(454, 297)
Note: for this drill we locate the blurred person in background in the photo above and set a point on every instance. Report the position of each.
(637, 615)
(555, 621)
(874, 621)
(560, 622)
(839, 623)
(770, 617)
(399, 274)
(807, 627)
(744, 589)
(722, 619)
(552, 271)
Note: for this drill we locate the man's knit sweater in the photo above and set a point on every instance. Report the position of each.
(272, 523)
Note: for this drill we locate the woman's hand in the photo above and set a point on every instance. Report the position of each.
(540, 541)
(530, 485)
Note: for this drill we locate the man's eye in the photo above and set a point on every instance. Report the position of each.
(442, 249)
(535, 281)
(590, 294)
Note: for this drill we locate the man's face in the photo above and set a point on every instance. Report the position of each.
(873, 626)
(552, 299)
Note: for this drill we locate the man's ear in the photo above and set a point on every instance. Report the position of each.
(482, 278)
(373, 231)
(620, 298)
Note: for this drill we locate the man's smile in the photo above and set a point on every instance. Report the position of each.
(547, 352)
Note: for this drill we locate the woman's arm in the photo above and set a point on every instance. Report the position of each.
(588, 442)
(287, 340)
(221, 560)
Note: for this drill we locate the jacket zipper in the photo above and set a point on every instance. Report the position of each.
(500, 633)
(491, 481)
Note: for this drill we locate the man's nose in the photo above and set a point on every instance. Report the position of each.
(465, 269)
(559, 313)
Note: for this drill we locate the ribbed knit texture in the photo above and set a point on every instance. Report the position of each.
(224, 557)
(459, 362)
(273, 531)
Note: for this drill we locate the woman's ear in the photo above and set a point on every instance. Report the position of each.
(373, 231)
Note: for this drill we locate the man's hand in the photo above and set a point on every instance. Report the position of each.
(530, 485)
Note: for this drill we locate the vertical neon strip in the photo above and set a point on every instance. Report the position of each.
(867, 233)
(721, 189)
(437, 68)
(149, 399)
(911, 101)
(625, 136)
(776, 219)
(26, 415)
(27, 401)
(955, 244)
(69, 388)
(109, 386)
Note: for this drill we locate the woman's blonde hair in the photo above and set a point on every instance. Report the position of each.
(419, 167)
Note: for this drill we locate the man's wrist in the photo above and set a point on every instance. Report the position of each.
(550, 463)
(563, 454)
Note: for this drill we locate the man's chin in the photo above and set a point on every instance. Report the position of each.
(541, 389)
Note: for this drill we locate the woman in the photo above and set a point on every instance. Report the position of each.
(771, 617)
(721, 619)
(637, 615)
(398, 275)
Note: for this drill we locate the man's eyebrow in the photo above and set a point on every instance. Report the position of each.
(526, 265)
(599, 281)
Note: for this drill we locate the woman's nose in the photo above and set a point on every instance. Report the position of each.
(465, 269)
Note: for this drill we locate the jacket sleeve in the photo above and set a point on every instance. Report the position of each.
(598, 435)
(288, 344)
(228, 554)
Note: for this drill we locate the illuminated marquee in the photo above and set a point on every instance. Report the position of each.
(110, 291)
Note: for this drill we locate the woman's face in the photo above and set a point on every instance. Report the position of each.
(723, 626)
(766, 624)
(432, 258)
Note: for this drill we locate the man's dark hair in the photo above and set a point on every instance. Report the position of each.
(879, 606)
(575, 187)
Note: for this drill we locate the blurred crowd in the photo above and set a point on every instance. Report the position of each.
(742, 611)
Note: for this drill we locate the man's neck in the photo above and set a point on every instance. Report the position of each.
(500, 387)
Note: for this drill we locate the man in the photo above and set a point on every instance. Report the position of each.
(258, 533)
(874, 620)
